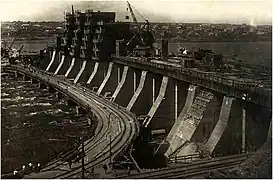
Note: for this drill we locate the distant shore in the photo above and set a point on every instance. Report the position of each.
(211, 41)
(10, 39)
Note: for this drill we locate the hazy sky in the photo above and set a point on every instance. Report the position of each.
(217, 11)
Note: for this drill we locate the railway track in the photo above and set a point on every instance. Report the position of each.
(97, 148)
(197, 168)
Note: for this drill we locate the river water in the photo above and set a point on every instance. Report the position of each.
(35, 125)
(249, 52)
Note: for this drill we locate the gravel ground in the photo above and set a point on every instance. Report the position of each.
(259, 166)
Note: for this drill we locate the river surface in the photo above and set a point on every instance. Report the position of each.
(249, 52)
(35, 125)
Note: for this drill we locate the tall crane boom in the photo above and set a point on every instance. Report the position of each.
(132, 12)
(18, 32)
(72, 11)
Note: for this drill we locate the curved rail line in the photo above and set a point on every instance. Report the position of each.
(122, 125)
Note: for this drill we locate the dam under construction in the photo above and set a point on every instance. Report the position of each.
(144, 112)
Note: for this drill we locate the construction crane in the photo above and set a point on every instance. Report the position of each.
(132, 12)
(146, 25)
(18, 32)
(6, 49)
(135, 21)
(72, 11)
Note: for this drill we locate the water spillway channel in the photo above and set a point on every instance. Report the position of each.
(36, 126)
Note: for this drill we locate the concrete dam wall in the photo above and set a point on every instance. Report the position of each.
(193, 118)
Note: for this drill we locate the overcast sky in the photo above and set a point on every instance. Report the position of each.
(217, 11)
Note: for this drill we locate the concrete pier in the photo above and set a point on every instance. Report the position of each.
(121, 83)
(127, 91)
(93, 73)
(70, 67)
(138, 91)
(52, 60)
(80, 72)
(113, 81)
(221, 124)
(164, 116)
(188, 103)
(109, 71)
(60, 65)
(189, 125)
(157, 102)
(99, 75)
(64, 67)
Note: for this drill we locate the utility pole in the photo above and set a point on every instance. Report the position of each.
(82, 157)
(110, 149)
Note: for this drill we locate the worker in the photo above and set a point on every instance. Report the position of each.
(15, 172)
(39, 166)
(30, 165)
(23, 167)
